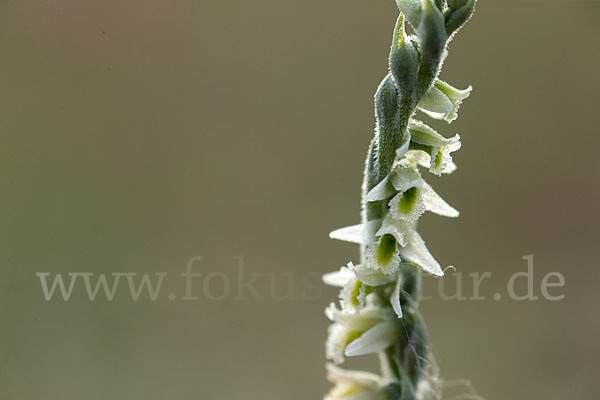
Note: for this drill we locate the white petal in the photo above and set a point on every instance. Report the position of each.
(385, 264)
(425, 135)
(383, 190)
(434, 203)
(453, 93)
(395, 298)
(416, 252)
(338, 375)
(376, 339)
(354, 385)
(424, 160)
(450, 168)
(405, 175)
(372, 277)
(338, 278)
(442, 101)
(436, 104)
(398, 228)
(353, 295)
(362, 320)
(411, 215)
(361, 233)
(441, 156)
(337, 337)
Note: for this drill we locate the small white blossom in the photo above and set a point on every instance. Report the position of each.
(353, 295)
(376, 339)
(424, 160)
(369, 330)
(405, 175)
(408, 205)
(353, 385)
(412, 196)
(384, 255)
(435, 145)
(398, 228)
(443, 100)
(441, 156)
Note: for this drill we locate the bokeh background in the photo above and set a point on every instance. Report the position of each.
(138, 134)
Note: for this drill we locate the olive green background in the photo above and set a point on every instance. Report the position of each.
(138, 134)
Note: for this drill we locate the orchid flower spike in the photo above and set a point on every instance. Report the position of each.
(378, 300)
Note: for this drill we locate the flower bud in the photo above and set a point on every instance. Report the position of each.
(404, 63)
(432, 40)
(389, 130)
(412, 11)
(457, 14)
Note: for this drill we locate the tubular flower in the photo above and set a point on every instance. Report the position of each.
(378, 310)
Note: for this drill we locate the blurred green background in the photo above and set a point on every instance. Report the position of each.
(138, 134)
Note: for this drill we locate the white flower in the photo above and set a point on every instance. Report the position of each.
(369, 330)
(403, 176)
(440, 156)
(407, 205)
(398, 228)
(438, 147)
(383, 256)
(424, 160)
(412, 197)
(353, 295)
(411, 246)
(442, 101)
(354, 385)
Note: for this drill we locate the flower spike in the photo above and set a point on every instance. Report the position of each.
(378, 300)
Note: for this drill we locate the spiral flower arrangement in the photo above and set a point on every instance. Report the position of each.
(378, 310)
